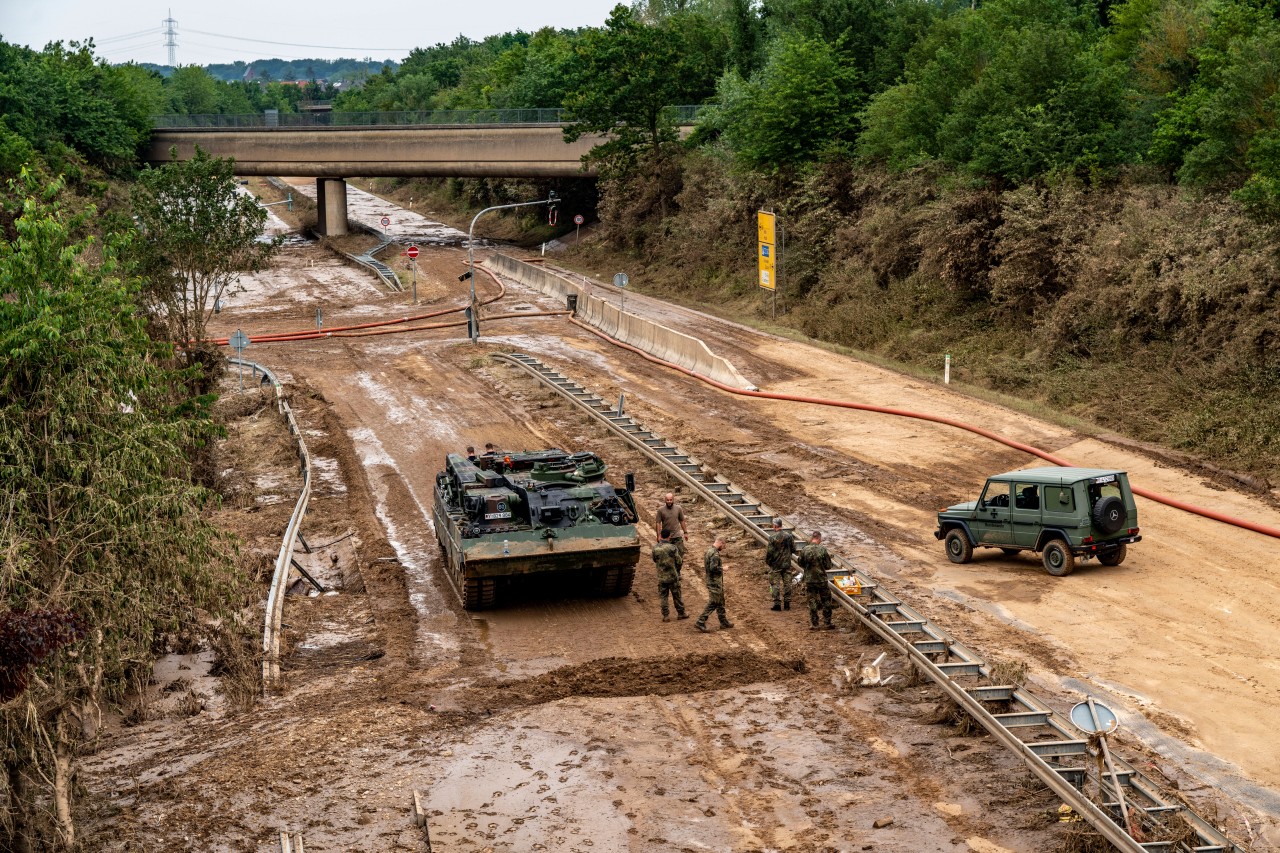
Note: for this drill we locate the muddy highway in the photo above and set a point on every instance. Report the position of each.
(587, 724)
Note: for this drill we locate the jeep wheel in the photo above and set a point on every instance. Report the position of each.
(1009, 552)
(959, 550)
(1058, 561)
(1115, 557)
(1109, 515)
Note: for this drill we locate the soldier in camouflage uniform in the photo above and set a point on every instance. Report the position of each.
(667, 558)
(815, 561)
(782, 544)
(715, 587)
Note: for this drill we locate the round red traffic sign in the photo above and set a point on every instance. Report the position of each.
(578, 220)
(412, 251)
(386, 220)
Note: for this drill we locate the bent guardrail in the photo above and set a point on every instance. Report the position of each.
(280, 578)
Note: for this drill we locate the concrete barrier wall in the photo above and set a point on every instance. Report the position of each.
(655, 339)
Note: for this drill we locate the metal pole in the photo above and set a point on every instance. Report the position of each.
(782, 244)
(1106, 755)
(414, 261)
(471, 241)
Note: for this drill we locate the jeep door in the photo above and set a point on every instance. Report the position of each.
(991, 523)
(1026, 514)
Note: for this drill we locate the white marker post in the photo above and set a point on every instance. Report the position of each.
(946, 371)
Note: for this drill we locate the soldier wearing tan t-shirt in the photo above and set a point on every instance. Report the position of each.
(671, 522)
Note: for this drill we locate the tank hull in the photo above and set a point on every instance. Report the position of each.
(485, 570)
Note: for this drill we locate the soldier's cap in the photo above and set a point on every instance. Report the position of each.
(777, 522)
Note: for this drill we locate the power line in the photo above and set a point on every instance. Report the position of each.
(239, 53)
(295, 44)
(127, 36)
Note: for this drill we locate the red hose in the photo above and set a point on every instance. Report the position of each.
(312, 334)
(1008, 442)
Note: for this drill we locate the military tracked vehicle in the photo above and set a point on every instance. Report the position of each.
(517, 523)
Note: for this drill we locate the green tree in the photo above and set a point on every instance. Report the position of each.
(98, 514)
(203, 232)
(803, 102)
(1014, 90)
(63, 98)
(192, 91)
(629, 73)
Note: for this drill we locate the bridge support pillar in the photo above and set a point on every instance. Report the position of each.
(331, 202)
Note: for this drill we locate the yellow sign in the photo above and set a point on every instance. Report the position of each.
(766, 249)
(765, 228)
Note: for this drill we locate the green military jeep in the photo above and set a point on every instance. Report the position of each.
(1060, 513)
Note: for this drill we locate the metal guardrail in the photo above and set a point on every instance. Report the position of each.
(280, 578)
(1055, 750)
(381, 270)
(442, 118)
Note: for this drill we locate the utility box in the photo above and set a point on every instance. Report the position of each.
(571, 302)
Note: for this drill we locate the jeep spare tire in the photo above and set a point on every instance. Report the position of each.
(1109, 514)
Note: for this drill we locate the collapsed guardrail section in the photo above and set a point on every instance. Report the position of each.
(280, 577)
(1048, 743)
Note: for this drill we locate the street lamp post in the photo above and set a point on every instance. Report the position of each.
(471, 242)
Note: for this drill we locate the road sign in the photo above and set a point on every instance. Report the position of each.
(621, 280)
(239, 341)
(412, 251)
(386, 220)
(766, 260)
(578, 219)
(1105, 721)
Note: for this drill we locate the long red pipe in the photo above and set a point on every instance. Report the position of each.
(985, 433)
(313, 334)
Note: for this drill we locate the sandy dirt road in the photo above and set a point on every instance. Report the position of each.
(591, 725)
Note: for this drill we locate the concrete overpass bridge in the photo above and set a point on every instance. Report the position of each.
(337, 146)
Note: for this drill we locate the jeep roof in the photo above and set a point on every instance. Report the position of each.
(1055, 476)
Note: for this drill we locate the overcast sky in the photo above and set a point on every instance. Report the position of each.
(222, 30)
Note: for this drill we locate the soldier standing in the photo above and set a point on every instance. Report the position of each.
(782, 544)
(671, 521)
(815, 560)
(715, 587)
(667, 558)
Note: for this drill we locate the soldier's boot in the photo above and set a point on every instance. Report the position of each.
(725, 623)
(666, 618)
(682, 616)
(828, 627)
(776, 606)
(702, 627)
(786, 605)
(813, 627)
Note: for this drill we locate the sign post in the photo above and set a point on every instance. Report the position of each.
(386, 222)
(239, 342)
(577, 228)
(621, 281)
(767, 253)
(412, 252)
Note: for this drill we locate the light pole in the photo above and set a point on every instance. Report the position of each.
(471, 242)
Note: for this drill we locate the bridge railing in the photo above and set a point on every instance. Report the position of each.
(682, 115)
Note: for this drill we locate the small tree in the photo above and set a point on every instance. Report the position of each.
(201, 233)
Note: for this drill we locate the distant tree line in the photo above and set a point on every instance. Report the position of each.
(296, 70)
